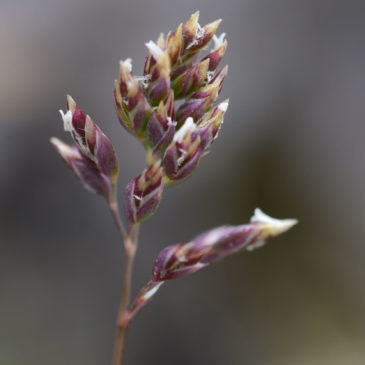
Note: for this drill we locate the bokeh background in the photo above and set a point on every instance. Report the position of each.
(292, 144)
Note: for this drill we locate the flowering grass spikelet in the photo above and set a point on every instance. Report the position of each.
(175, 136)
(133, 109)
(179, 260)
(161, 127)
(143, 194)
(183, 154)
(92, 158)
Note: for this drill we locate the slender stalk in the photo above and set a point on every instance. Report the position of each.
(114, 208)
(130, 239)
(131, 242)
(122, 322)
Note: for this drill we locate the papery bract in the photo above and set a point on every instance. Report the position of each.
(183, 154)
(197, 37)
(143, 194)
(209, 125)
(84, 169)
(92, 158)
(201, 101)
(215, 56)
(158, 70)
(161, 127)
(133, 108)
(191, 79)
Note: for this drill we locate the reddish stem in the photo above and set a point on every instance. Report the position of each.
(130, 242)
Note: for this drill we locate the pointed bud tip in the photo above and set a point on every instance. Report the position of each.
(219, 41)
(126, 65)
(64, 149)
(71, 104)
(70, 99)
(224, 70)
(274, 226)
(188, 126)
(223, 106)
(195, 16)
(67, 120)
(61, 147)
(212, 27)
(155, 50)
(55, 141)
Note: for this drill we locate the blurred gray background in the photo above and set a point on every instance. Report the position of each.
(292, 144)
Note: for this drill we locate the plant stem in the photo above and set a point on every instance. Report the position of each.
(114, 208)
(130, 239)
(131, 242)
(122, 322)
